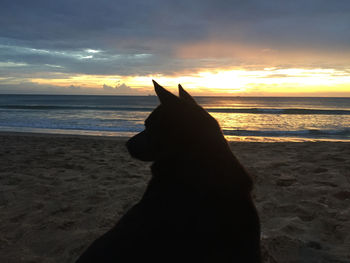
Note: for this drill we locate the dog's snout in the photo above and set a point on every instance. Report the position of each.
(140, 148)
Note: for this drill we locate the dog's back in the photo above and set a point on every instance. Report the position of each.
(197, 206)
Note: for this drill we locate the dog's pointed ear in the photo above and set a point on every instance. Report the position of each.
(165, 97)
(184, 96)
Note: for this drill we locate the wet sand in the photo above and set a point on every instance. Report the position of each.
(59, 193)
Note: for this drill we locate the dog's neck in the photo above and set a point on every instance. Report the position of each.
(218, 170)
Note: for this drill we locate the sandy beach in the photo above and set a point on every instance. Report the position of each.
(58, 193)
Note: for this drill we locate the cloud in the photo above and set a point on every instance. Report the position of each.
(35, 88)
(158, 25)
(160, 36)
(120, 89)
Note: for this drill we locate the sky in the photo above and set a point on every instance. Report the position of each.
(211, 47)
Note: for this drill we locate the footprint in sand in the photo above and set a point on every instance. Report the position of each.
(342, 195)
(320, 170)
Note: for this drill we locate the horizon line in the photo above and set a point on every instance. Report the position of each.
(154, 95)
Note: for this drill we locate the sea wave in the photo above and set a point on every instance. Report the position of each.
(292, 111)
(64, 107)
(311, 133)
(281, 111)
(67, 127)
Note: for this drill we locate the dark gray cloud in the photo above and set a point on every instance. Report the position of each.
(35, 88)
(143, 37)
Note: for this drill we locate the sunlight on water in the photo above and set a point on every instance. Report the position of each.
(272, 122)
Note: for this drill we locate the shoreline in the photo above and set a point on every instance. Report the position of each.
(61, 135)
(60, 192)
(125, 135)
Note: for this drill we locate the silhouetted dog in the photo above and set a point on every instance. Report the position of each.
(197, 206)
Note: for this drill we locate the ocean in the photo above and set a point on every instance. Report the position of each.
(241, 118)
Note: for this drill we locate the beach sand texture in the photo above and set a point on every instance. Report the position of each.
(59, 193)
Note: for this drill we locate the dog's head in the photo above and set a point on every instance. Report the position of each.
(176, 127)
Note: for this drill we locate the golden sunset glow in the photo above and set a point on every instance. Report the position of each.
(269, 82)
